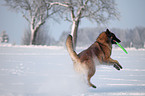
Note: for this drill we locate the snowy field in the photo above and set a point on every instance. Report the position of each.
(48, 71)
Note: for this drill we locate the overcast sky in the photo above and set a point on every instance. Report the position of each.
(132, 15)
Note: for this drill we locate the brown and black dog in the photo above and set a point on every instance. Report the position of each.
(98, 53)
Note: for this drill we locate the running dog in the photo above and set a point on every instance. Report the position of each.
(98, 53)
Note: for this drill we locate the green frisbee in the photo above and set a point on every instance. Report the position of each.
(121, 47)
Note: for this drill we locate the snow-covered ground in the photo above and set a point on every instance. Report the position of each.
(48, 71)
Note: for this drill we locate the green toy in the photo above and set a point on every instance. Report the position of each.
(121, 47)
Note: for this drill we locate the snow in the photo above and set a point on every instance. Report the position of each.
(48, 71)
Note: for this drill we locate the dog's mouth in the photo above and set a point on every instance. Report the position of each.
(114, 41)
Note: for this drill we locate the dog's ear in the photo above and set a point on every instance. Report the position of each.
(108, 32)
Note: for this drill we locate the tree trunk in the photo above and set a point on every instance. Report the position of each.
(33, 37)
(74, 32)
(34, 32)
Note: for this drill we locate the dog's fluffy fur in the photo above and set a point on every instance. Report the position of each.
(98, 53)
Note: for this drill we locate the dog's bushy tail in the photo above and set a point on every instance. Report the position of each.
(70, 49)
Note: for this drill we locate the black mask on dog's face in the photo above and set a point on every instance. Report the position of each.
(112, 37)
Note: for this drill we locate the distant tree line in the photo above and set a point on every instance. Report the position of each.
(129, 37)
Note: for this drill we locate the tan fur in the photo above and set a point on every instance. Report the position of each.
(99, 52)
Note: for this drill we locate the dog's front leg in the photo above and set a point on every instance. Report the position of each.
(115, 63)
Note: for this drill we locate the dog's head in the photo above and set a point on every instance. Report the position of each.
(112, 37)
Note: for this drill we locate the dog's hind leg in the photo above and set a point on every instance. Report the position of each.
(89, 82)
(90, 74)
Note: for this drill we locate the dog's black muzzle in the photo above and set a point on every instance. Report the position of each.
(114, 39)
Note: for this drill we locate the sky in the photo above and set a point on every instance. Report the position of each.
(132, 14)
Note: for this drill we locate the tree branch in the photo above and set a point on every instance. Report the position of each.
(72, 13)
(79, 13)
(58, 3)
(67, 19)
(26, 18)
(29, 8)
(40, 23)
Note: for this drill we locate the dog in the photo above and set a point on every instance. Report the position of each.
(98, 53)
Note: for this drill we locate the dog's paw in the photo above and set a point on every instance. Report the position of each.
(117, 66)
(120, 66)
(94, 86)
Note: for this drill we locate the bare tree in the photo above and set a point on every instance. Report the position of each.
(98, 10)
(35, 12)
